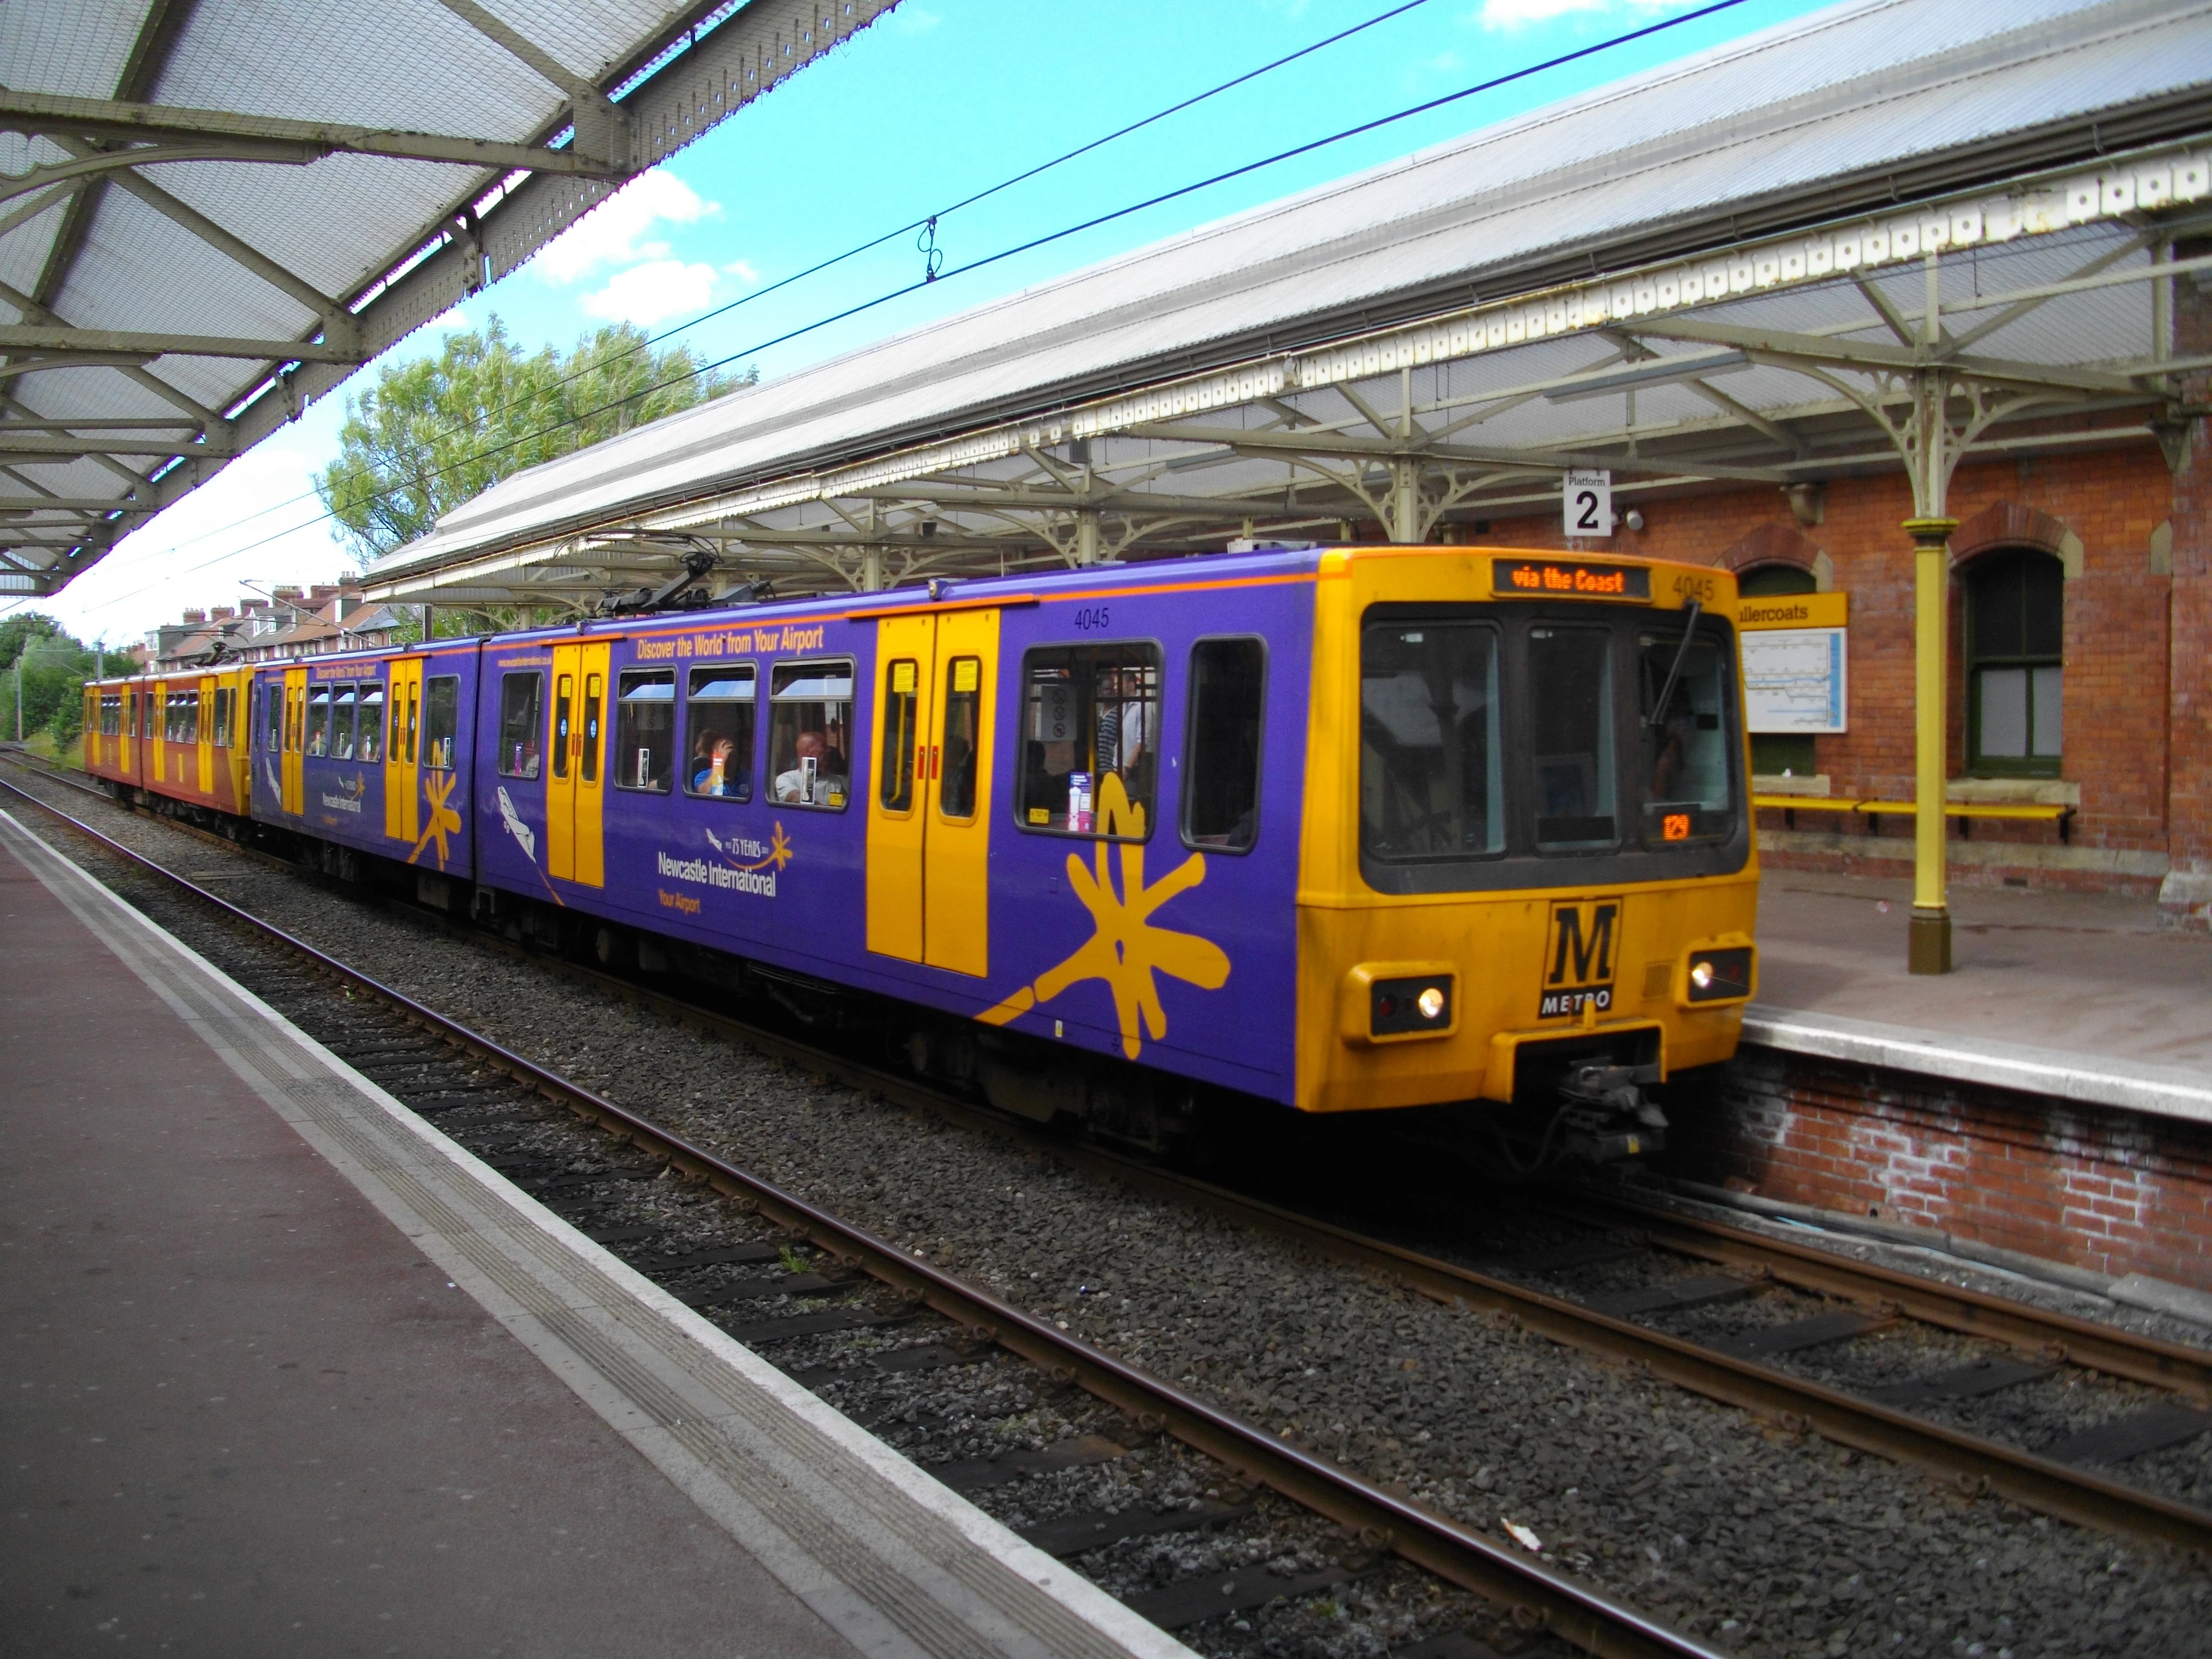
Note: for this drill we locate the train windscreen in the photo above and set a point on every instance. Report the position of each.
(1493, 738)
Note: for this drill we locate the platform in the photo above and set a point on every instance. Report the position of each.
(2081, 996)
(288, 1371)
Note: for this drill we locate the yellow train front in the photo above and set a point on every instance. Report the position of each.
(1528, 872)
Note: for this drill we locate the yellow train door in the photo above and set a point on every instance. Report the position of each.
(157, 729)
(203, 735)
(929, 821)
(127, 743)
(576, 790)
(240, 759)
(403, 714)
(295, 725)
(955, 856)
(906, 657)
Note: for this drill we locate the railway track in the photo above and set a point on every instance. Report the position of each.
(1876, 1294)
(1538, 1596)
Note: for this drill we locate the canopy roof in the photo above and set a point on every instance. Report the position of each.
(1722, 270)
(213, 210)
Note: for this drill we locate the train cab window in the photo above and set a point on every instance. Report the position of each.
(1572, 760)
(1688, 792)
(718, 714)
(522, 698)
(344, 709)
(645, 729)
(153, 721)
(1432, 777)
(1221, 757)
(442, 721)
(810, 732)
(225, 699)
(960, 734)
(272, 716)
(1090, 712)
(319, 720)
(371, 747)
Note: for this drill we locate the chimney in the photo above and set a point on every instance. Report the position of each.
(250, 606)
(222, 613)
(284, 595)
(195, 618)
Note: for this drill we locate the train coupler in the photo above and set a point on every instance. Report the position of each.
(1606, 1115)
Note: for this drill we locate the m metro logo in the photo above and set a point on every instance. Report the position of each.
(1579, 956)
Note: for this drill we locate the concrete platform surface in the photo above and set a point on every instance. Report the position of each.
(288, 1373)
(2081, 995)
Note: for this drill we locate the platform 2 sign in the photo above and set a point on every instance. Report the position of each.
(1579, 957)
(1796, 662)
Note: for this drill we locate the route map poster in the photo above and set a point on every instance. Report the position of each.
(1793, 679)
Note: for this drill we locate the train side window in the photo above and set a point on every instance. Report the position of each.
(810, 732)
(1431, 773)
(719, 716)
(1571, 705)
(564, 699)
(371, 749)
(1090, 712)
(344, 709)
(520, 711)
(902, 712)
(319, 720)
(1687, 780)
(442, 721)
(645, 729)
(1221, 755)
(963, 737)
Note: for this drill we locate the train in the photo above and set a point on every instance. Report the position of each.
(1459, 831)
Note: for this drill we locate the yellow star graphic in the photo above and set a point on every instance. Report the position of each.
(1126, 949)
(444, 820)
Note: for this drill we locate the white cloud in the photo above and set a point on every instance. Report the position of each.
(1519, 14)
(743, 270)
(911, 19)
(650, 293)
(615, 233)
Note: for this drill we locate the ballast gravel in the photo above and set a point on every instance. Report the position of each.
(1763, 1542)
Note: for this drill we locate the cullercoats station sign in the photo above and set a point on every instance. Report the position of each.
(1796, 662)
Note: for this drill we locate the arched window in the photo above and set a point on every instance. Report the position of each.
(2016, 636)
(1777, 753)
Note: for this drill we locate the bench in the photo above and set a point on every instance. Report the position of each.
(1965, 811)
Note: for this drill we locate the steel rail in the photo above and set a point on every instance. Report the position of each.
(1586, 1617)
(2045, 1332)
(1977, 1462)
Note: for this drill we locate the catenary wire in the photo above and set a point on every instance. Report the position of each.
(1359, 130)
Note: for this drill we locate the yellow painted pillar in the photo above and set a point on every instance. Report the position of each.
(1929, 948)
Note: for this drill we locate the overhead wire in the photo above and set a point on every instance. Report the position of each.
(1094, 222)
(855, 252)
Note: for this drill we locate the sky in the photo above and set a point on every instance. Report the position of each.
(938, 100)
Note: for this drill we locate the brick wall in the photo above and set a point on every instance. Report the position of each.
(2107, 1190)
(2122, 683)
(2187, 893)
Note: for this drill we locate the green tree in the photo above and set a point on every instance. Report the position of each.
(431, 434)
(55, 666)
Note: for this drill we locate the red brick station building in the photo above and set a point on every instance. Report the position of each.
(2079, 655)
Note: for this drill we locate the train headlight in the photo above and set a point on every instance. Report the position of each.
(1719, 975)
(1389, 1001)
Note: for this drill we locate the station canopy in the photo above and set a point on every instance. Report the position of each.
(214, 210)
(1889, 237)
